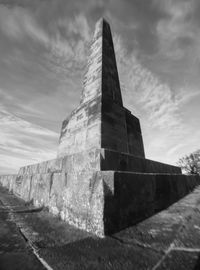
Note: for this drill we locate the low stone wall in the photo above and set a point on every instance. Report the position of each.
(8, 181)
(99, 159)
(101, 202)
(112, 160)
(67, 186)
(77, 199)
(132, 197)
(85, 160)
(49, 166)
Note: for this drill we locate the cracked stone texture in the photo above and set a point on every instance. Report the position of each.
(155, 243)
(106, 201)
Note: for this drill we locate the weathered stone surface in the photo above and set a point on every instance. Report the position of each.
(113, 160)
(57, 192)
(88, 160)
(54, 165)
(25, 187)
(105, 201)
(100, 120)
(82, 129)
(40, 189)
(8, 181)
(132, 197)
(167, 240)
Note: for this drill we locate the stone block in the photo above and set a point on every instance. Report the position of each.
(117, 161)
(137, 196)
(50, 166)
(108, 201)
(17, 187)
(40, 189)
(26, 185)
(8, 181)
(57, 194)
(11, 181)
(79, 200)
(88, 160)
(54, 166)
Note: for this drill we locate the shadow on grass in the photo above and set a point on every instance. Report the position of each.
(197, 266)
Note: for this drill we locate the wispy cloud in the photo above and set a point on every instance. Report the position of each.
(177, 32)
(18, 23)
(69, 46)
(65, 40)
(142, 87)
(186, 94)
(24, 142)
(159, 106)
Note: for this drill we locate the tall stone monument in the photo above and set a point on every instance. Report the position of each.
(101, 121)
(101, 181)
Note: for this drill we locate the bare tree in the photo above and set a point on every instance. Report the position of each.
(190, 164)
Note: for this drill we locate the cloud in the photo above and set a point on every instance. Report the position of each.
(40, 58)
(177, 31)
(69, 46)
(21, 141)
(167, 133)
(143, 88)
(64, 39)
(78, 26)
(18, 23)
(186, 94)
(24, 143)
(172, 150)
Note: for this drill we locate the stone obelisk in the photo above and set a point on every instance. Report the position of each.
(101, 181)
(100, 120)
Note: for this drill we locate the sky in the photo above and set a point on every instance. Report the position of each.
(43, 53)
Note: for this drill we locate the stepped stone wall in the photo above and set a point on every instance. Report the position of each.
(113, 160)
(99, 159)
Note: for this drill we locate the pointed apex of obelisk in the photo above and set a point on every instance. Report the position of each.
(99, 26)
(101, 77)
(98, 29)
(101, 22)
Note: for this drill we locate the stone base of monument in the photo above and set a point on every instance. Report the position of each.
(83, 192)
(132, 197)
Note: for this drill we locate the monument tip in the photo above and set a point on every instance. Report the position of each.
(102, 21)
